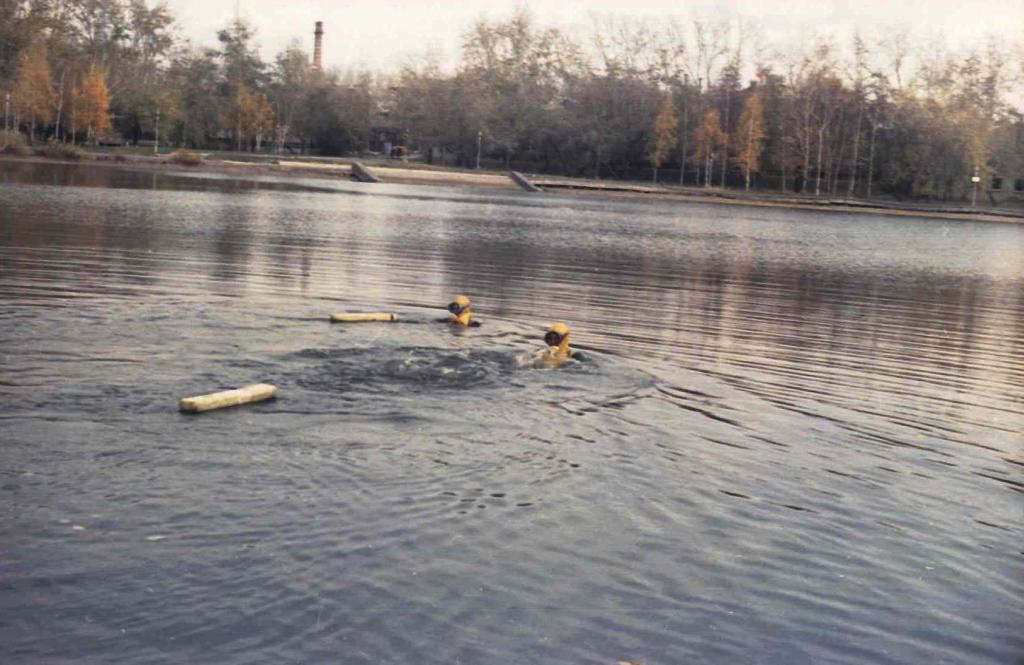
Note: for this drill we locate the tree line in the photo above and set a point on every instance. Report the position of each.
(113, 70)
(698, 102)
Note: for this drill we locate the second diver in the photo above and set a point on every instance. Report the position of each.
(460, 313)
(557, 352)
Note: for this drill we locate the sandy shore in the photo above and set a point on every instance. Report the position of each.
(419, 174)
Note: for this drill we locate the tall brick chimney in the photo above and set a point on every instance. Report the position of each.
(318, 44)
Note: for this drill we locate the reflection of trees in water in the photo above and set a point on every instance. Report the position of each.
(289, 247)
(101, 244)
(343, 271)
(232, 246)
(700, 297)
(113, 176)
(947, 333)
(943, 334)
(56, 174)
(488, 271)
(90, 175)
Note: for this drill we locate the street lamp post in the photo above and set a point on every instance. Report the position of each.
(7, 109)
(975, 179)
(156, 134)
(479, 143)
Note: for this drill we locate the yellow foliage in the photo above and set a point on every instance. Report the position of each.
(33, 92)
(250, 113)
(709, 136)
(663, 136)
(749, 136)
(92, 105)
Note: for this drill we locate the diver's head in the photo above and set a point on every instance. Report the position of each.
(458, 305)
(460, 310)
(558, 336)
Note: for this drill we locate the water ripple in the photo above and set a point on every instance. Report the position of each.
(796, 438)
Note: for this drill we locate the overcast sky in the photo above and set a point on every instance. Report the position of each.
(384, 34)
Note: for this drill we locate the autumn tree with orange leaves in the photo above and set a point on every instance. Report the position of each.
(663, 135)
(92, 105)
(709, 137)
(33, 92)
(250, 116)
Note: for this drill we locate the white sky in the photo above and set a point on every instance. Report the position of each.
(382, 35)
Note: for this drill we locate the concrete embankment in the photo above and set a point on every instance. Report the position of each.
(363, 174)
(523, 182)
(769, 199)
(315, 167)
(420, 174)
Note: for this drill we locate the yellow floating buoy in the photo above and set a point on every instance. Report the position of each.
(254, 393)
(353, 317)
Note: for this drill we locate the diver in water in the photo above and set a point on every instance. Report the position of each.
(557, 352)
(460, 313)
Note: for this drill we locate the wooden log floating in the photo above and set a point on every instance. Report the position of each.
(356, 317)
(257, 392)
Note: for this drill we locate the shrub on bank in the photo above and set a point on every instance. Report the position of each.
(186, 158)
(59, 151)
(13, 143)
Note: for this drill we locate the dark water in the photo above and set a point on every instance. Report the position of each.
(798, 438)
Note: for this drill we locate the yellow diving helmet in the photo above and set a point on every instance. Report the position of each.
(555, 354)
(459, 311)
(557, 337)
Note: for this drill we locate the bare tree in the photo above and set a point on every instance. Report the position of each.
(857, 77)
(895, 43)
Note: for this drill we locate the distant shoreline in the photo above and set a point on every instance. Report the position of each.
(424, 174)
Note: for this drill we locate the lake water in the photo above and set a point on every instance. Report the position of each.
(797, 437)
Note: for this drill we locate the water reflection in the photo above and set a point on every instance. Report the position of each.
(125, 177)
(802, 431)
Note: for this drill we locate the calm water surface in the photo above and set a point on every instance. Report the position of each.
(798, 439)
